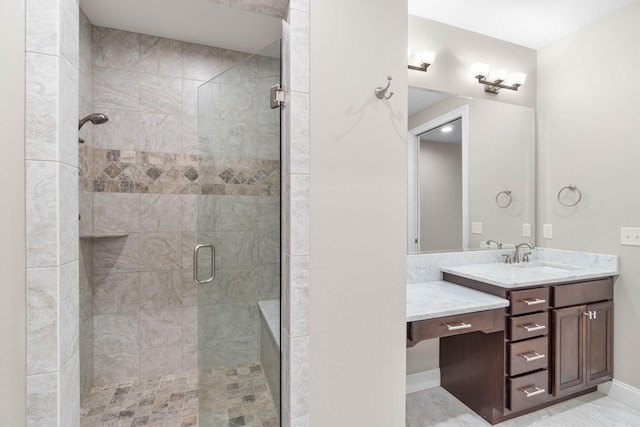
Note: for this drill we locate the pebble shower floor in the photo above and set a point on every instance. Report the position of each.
(230, 396)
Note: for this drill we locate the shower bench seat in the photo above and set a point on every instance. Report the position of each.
(270, 345)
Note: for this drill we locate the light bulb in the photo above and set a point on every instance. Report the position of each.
(500, 74)
(480, 69)
(509, 80)
(447, 129)
(519, 78)
(427, 56)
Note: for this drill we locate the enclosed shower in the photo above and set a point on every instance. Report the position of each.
(237, 255)
(180, 233)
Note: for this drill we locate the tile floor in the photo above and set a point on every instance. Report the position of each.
(230, 396)
(437, 408)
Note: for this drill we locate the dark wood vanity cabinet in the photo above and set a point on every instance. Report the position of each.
(556, 344)
(527, 348)
(582, 347)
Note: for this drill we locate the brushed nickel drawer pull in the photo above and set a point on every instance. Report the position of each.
(531, 356)
(537, 390)
(533, 301)
(531, 327)
(457, 326)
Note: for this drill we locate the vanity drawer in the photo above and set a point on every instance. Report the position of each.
(454, 325)
(528, 326)
(526, 356)
(582, 293)
(528, 390)
(529, 300)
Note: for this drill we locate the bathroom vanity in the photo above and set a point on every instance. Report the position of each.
(550, 341)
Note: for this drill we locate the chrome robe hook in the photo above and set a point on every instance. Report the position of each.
(381, 92)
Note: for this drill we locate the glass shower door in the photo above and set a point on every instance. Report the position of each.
(237, 256)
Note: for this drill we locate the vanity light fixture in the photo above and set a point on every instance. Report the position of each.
(495, 79)
(424, 59)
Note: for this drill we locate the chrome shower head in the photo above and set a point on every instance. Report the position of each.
(96, 119)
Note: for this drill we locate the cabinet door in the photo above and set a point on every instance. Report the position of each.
(568, 350)
(599, 340)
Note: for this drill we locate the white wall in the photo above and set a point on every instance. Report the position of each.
(457, 50)
(12, 214)
(440, 175)
(589, 135)
(358, 214)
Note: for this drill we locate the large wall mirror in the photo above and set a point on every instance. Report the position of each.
(471, 173)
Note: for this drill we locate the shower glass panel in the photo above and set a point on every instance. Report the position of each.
(237, 254)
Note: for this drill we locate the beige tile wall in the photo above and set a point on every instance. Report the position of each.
(295, 225)
(52, 70)
(85, 207)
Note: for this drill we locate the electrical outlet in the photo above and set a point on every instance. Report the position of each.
(526, 230)
(630, 236)
(547, 231)
(476, 228)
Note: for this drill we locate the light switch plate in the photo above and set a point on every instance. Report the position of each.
(547, 231)
(630, 236)
(526, 230)
(476, 228)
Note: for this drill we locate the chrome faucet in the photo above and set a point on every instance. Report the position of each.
(498, 244)
(516, 255)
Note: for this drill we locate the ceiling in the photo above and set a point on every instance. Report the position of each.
(196, 21)
(530, 23)
(249, 25)
(437, 135)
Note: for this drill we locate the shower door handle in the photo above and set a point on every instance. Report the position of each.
(195, 264)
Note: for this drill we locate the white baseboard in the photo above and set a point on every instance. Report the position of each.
(621, 392)
(423, 381)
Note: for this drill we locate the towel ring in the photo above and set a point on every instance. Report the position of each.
(507, 197)
(572, 188)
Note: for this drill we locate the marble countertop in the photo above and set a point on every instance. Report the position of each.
(440, 299)
(529, 274)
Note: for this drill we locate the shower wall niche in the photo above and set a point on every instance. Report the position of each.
(145, 186)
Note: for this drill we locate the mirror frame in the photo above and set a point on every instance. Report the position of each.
(413, 223)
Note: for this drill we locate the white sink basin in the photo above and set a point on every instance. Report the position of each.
(536, 272)
(543, 267)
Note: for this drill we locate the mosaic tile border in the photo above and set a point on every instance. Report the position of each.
(120, 171)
